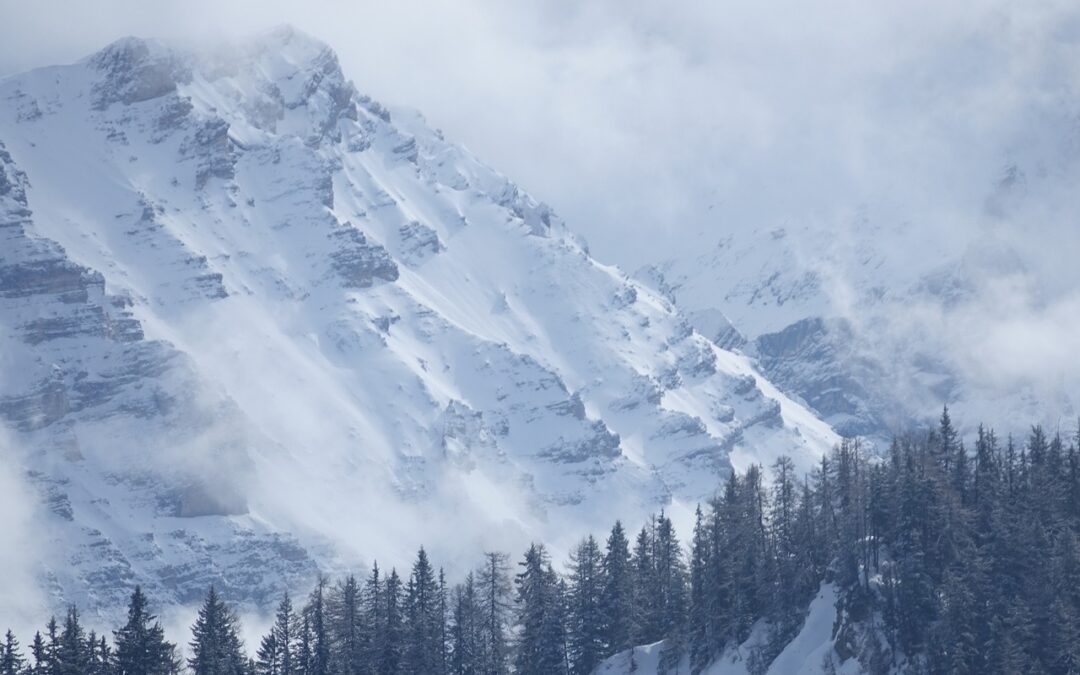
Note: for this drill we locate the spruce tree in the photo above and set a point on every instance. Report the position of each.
(268, 657)
(39, 650)
(317, 632)
(216, 648)
(346, 628)
(585, 621)
(11, 658)
(495, 589)
(72, 655)
(541, 641)
(390, 643)
(373, 613)
(422, 649)
(466, 619)
(141, 647)
(617, 598)
(699, 619)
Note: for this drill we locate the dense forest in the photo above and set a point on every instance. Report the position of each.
(949, 559)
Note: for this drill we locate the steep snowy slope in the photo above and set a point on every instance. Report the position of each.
(254, 323)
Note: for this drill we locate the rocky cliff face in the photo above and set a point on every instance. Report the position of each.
(255, 324)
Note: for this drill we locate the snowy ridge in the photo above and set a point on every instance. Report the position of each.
(248, 310)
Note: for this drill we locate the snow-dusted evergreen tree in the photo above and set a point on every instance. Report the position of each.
(316, 633)
(466, 635)
(585, 616)
(495, 589)
(646, 587)
(390, 640)
(39, 650)
(699, 620)
(283, 637)
(216, 648)
(12, 661)
(541, 648)
(346, 628)
(617, 598)
(72, 654)
(422, 646)
(141, 647)
(268, 656)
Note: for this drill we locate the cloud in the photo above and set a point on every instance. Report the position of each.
(21, 601)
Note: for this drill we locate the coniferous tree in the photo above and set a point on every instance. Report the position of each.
(465, 629)
(617, 597)
(285, 636)
(646, 588)
(585, 617)
(444, 639)
(317, 634)
(541, 641)
(422, 648)
(141, 647)
(11, 658)
(373, 612)
(216, 648)
(346, 629)
(268, 657)
(72, 655)
(699, 620)
(39, 650)
(495, 588)
(390, 642)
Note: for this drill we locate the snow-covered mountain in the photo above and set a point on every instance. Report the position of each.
(876, 318)
(254, 324)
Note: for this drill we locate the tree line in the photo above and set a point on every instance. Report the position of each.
(946, 560)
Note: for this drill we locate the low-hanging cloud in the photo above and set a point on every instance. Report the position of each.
(21, 599)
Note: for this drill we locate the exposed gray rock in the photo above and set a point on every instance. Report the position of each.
(135, 70)
(418, 242)
(358, 262)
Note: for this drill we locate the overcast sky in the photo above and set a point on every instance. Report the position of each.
(638, 120)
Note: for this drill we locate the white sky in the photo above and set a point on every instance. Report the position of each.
(637, 120)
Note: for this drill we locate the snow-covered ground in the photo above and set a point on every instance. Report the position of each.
(811, 652)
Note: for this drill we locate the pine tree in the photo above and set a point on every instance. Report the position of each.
(465, 629)
(141, 647)
(268, 657)
(285, 634)
(585, 621)
(390, 643)
(542, 635)
(39, 650)
(617, 598)
(346, 629)
(423, 623)
(494, 588)
(216, 648)
(671, 583)
(373, 611)
(699, 620)
(107, 662)
(72, 656)
(11, 659)
(646, 588)
(444, 639)
(317, 651)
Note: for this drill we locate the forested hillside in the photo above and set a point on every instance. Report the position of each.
(948, 558)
